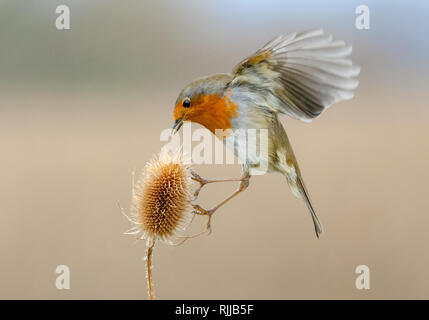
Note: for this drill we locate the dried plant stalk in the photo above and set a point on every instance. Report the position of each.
(148, 259)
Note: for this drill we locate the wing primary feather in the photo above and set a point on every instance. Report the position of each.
(300, 74)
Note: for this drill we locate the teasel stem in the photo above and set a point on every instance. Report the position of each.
(148, 257)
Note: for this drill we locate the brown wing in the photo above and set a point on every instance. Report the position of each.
(299, 74)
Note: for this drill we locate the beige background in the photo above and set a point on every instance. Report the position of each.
(80, 108)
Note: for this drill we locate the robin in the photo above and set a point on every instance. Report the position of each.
(300, 75)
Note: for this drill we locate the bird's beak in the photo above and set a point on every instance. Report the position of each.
(177, 125)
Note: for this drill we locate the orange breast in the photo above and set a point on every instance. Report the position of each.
(212, 111)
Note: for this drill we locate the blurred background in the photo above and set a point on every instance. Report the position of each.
(80, 108)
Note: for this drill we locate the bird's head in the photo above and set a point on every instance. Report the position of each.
(205, 101)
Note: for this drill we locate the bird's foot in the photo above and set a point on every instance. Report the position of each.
(196, 177)
(198, 210)
(244, 179)
(203, 212)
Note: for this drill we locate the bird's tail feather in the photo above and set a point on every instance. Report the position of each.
(289, 167)
(300, 191)
(317, 224)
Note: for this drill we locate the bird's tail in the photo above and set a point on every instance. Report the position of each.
(297, 185)
(304, 194)
(288, 165)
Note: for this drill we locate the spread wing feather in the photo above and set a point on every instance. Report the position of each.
(300, 74)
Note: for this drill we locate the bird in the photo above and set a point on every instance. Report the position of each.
(299, 75)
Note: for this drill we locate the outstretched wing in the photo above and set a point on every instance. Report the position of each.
(300, 74)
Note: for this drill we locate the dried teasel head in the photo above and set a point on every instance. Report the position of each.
(161, 204)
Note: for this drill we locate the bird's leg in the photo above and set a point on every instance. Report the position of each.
(203, 181)
(209, 213)
(244, 183)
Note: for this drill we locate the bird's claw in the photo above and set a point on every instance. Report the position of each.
(197, 177)
(203, 212)
(200, 211)
(202, 182)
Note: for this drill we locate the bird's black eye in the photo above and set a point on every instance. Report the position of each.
(186, 103)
